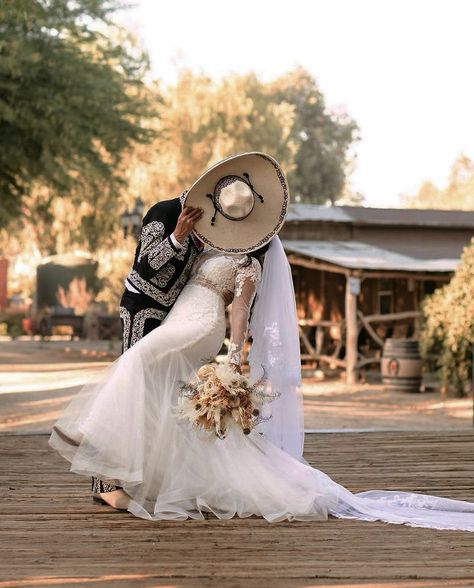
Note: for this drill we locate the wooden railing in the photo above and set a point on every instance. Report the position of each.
(314, 351)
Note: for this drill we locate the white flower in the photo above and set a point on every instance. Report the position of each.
(228, 378)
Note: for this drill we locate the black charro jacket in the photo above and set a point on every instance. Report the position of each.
(160, 270)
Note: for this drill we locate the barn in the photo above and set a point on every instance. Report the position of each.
(360, 275)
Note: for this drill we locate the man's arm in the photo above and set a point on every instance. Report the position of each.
(156, 249)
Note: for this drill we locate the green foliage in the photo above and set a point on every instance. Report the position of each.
(11, 323)
(202, 121)
(448, 326)
(322, 138)
(76, 122)
(71, 100)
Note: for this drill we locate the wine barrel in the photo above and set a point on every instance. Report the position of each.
(401, 365)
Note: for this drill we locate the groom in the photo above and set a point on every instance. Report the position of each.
(164, 256)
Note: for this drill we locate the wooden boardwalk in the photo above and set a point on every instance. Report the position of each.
(52, 534)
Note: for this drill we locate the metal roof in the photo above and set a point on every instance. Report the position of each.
(359, 255)
(361, 215)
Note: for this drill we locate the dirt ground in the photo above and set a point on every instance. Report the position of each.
(38, 379)
(333, 405)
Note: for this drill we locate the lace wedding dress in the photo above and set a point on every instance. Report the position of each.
(123, 427)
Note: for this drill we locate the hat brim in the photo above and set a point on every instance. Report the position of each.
(266, 218)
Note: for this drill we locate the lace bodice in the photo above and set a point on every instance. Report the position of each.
(235, 279)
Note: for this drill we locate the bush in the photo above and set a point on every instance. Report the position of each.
(447, 335)
(12, 323)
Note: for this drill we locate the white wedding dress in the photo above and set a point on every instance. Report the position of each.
(123, 428)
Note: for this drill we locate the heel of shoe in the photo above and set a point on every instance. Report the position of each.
(98, 499)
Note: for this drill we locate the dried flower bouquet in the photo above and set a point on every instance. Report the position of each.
(222, 398)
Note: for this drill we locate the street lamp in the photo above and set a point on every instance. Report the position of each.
(132, 220)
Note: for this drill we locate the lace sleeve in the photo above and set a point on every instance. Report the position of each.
(246, 280)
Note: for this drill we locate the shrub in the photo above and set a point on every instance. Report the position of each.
(11, 322)
(447, 335)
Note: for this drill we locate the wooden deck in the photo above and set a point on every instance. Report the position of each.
(52, 534)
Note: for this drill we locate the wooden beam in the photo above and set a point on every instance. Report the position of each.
(419, 276)
(316, 265)
(393, 316)
(332, 360)
(369, 329)
(295, 259)
(351, 330)
(316, 323)
(368, 361)
(306, 342)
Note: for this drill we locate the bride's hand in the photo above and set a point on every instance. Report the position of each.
(236, 368)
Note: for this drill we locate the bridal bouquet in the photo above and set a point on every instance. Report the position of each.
(222, 398)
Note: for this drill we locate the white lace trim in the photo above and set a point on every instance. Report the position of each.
(244, 272)
(234, 353)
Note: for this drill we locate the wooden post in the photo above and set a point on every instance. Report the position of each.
(352, 290)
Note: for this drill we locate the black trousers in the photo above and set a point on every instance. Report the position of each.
(139, 315)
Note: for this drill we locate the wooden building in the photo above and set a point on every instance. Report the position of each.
(360, 274)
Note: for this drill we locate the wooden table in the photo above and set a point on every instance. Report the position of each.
(51, 533)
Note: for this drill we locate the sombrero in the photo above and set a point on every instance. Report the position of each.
(244, 199)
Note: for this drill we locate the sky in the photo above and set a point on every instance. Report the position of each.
(403, 69)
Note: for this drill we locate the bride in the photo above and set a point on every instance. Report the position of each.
(124, 428)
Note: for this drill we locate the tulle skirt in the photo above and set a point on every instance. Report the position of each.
(123, 427)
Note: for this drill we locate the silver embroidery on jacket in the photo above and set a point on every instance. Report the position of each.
(100, 486)
(139, 319)
(164, 275)
(184, 248)
(164, 298)
(154, 231)
(159, 255)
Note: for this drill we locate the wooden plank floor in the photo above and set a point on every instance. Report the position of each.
(52, 534)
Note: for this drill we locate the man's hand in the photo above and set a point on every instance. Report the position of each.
(186, 221)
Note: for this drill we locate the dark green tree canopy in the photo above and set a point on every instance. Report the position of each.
(323, 139)
(72, 99)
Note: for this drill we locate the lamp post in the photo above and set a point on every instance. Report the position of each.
(132, 220)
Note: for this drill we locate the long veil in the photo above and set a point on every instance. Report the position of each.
(276, 351)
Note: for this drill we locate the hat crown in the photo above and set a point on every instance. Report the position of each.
(250, 188)
(235, 197)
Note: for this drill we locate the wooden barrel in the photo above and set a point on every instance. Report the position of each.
(401, 365)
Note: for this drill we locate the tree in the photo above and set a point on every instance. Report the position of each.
(201, 121)
(72, 100)
(457, 195)
(323, 139)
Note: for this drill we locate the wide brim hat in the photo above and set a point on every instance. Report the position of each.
(244, 199)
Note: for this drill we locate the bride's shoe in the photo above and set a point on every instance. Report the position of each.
(117, 499)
